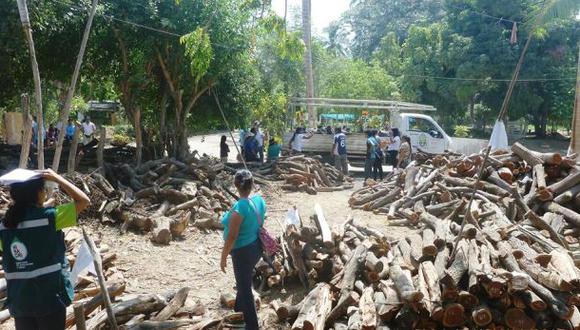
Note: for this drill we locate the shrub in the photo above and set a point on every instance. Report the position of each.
(461, 131)
(120, 140)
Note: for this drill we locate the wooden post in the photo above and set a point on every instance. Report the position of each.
(575, 140)
(27, 136)
(80, 321)
(72, 156)
(71, 91)
(99, 268)
(101, 147)
(138, 136)
(23, 10)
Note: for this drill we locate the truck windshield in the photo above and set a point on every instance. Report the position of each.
(425, 126)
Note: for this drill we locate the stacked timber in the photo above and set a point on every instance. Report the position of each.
(160, 197)
(504, 260)
(306, 174)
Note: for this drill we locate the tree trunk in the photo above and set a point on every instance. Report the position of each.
(27, 127)
(100, 149)
(306, 34)
(71, 91)
(138, 136)
(575, 140)
(23, 10)
(72, 156)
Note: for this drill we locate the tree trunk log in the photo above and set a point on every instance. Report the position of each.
(404, 284)
(315, 309)
(173, 306)
(367, 310)
(27, 133)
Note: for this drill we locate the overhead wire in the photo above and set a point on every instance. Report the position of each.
(488, 79)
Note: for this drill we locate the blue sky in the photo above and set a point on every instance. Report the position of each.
(323, 11)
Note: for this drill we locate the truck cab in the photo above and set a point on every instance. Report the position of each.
(424, 131)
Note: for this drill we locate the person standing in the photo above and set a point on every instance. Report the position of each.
(339, 151)
(393, 147)
(89, 129)
(224, 149)
(34, 262)
(251, 147)
(378, 162)
(260, 139)
(297, 141)
(405, 152)
(70, 130)
(371, 155)
(274, 150)
(241, 227)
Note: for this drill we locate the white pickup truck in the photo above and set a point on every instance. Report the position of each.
(425, 133)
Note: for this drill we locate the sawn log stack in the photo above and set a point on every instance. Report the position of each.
(508, 259)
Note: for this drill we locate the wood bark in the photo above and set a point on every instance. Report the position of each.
(367, 310)
(72, 156)
(26, 26)
(161, 233)
(27, 131)
(173, 306)
(315, 309)
(572, 217)
(101, 148)
(404, 284)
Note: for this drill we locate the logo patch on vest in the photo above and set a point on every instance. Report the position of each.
(19, 250)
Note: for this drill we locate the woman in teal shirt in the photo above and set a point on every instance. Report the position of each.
(241, 227)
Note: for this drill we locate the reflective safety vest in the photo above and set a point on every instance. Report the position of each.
(35, 266)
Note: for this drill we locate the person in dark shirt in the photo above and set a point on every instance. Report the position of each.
(339, 151)
(224, 149)
(251, 147)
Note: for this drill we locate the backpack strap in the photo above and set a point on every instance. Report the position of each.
(258, 216)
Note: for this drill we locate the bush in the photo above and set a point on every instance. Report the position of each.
(126, 130)
(120, 140)
(461, 131)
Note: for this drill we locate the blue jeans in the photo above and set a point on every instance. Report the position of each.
(244, 259)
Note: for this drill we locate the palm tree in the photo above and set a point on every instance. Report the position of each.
(306, 31)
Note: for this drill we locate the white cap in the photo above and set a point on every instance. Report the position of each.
(17, 176)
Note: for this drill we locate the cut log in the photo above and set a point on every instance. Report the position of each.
(459, 266)
(367, 310)
(373, 263)
(565, 184)
(392, 304)
(340, 309)
(572, 217)
(323, 226)
(140, 305)
(532, 300)
(173, 306)
(481, 315)
(516, 318)
(429, 248)
(314, 311)
(564, 264)
(441, 261)
(526, 154)
(453, 316)
(429, 286)
(404, 284)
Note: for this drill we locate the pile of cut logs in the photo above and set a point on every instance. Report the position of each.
(306, 174)
(505, 260)
(161, 196)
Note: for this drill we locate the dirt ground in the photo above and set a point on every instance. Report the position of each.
(194, 260)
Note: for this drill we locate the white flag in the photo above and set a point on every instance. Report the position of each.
(83, 261)
(498, 139)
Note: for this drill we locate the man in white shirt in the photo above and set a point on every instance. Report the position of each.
(89, 129)
(260, 138)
